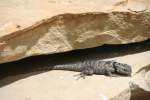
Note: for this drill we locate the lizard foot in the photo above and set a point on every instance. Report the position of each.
(86, 71)
(81, 75)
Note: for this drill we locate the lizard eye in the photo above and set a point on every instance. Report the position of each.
(116, 64)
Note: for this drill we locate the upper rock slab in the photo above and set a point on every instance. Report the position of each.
(26, 12)
(36, 27)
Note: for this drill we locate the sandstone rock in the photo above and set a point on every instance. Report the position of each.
(64, 32)
(63, 85)
(139, 86)
(75, 31)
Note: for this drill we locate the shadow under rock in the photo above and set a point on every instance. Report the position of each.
(25, 66)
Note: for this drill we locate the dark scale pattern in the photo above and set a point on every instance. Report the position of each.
(99, 67)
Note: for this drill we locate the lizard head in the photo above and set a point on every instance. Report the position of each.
(123, 69)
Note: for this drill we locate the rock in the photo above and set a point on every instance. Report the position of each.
(48, 85)
(75, 31)
(72, 28)
(139, 86)
(35, 27)
(29, 28)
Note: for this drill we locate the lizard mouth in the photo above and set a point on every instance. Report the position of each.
(122, 69)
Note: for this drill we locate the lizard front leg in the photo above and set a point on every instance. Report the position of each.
(109, 73)
(87, 71)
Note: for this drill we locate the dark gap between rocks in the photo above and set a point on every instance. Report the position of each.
(140, 94)
(133, 94)
(13, 69)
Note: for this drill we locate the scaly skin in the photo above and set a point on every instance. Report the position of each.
(99, 67)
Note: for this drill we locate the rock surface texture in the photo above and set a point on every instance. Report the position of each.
(65, 31)
(35, 27)
(48, 85)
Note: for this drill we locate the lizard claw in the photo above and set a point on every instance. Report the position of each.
(87, 71)
(81, 75)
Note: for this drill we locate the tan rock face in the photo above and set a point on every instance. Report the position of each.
(75, 31)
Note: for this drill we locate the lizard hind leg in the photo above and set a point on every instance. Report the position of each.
(109, 73)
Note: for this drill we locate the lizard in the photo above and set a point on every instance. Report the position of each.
(90, 67)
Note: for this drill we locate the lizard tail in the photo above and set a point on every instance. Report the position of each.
(69, 67)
